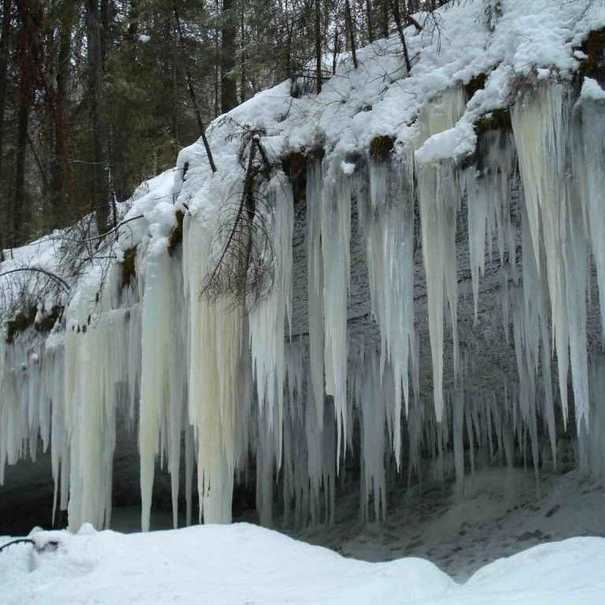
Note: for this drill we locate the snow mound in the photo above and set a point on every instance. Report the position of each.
(247, 564)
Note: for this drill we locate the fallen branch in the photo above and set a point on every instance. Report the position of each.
(56, 278)
(18, 541)
(113, 229)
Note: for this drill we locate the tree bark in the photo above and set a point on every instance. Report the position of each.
(4, 46)
(384, 17)
(228, 85)
(28, 61)
(100, 197)
(318, 62)
(397, 16)
(370, 21)
(60, 167)
(349, 22)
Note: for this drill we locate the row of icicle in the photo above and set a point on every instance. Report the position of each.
(211, 383)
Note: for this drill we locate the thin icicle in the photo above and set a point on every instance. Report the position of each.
(335, 246)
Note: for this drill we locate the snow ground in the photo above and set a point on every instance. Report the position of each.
(245, 564)
(472, 540)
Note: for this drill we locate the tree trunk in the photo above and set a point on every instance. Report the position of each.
(4, 46)
(384, 13)
(349, 22)
(318, 62)
(19, 213)
(228, 86)
(28, 61)
(370, 21)
(399, 25)
(60, 167)
(100, 197)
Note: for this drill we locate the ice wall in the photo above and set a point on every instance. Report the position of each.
(427, 315)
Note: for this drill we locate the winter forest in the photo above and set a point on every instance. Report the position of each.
(316, 287)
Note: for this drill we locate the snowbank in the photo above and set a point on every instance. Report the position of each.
(246, 564)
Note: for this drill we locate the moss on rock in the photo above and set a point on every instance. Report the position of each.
(381, 148)
(20, 322)
(175, 238)
(129, 267)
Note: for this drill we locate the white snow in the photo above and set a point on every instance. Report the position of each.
(592, 90)
(244, 564)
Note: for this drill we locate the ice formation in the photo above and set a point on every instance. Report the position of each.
(439, 199)
(355, 360)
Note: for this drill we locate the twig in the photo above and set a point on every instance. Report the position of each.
(18, 541)
(121, 224)
(58, 279)
(245, 196)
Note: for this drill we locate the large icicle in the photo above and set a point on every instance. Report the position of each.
(439, 199)
(164, 372)
(270, 317)
(217, 337)
(335, 245)
(589, 169)
(96, 363)
(557, 226)
(390, 256)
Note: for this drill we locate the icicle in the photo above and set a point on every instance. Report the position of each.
(488, 191)
(315, 284)
(371, 396)
(458, 437)
(557, 226)
(390, 258)
(439, 199)
(591, 443)
(217, 330)
(163, 380)
(335, 247)
(589, 168)
(95, 361)
(270, 317)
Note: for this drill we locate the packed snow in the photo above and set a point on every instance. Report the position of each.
(245, 564)
(214, 375)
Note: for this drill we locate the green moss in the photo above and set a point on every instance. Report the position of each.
(476, 84)
(48, 321)
(499, 119)
(19, 323)
(594, 48)
(129, 267)
(176, 235)
(381, 148)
